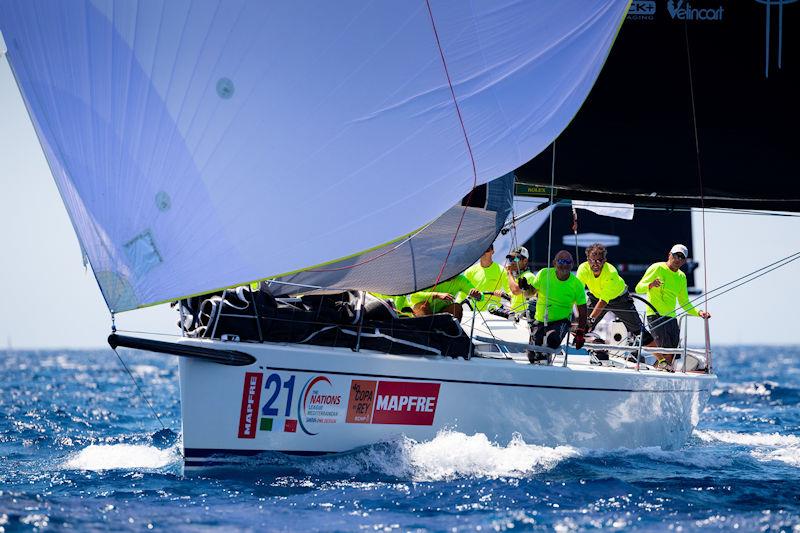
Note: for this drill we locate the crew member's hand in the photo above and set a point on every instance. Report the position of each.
(475, 293)
(523, 284)
(655, 283)
(446, 296)
(579, 340)
(704, 314)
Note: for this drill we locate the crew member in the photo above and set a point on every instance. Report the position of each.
(489, 278)
(517, 266)
(558, 291)
(665, 284)
(446, 297)
(608, 292)
(399, 303)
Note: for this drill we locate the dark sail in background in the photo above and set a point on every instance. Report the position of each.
(633, 139)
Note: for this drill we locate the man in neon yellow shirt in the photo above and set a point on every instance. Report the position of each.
(608, 292)
(446, 297)
(488, 277)
(559, 290)
(665, 285)
(517, 266)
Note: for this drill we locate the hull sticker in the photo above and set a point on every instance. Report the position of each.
(271, 403)
(251, 395)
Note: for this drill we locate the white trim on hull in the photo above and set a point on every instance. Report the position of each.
(310, 400)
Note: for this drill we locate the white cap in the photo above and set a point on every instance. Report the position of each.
(521, 251)
(679, 248)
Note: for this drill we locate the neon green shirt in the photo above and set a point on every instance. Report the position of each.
(400, 302)
(558, 296)
(673, 289)
(607, 286)
(459, 287)
(489, 279)
(519, 303)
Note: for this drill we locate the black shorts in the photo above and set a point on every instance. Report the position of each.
(623, 308)
(665, 329)
(554, 332)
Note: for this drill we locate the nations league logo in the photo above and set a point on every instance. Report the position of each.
(318, 404)
(683, 10)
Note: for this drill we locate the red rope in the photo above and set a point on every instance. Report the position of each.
(466, 140)
(471, 157)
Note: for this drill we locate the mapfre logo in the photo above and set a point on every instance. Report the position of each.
(251, 395)
(684, 10)
(402, 402)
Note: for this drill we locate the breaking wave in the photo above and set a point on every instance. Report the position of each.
(767, 447)
(97, 457)
(449, 455)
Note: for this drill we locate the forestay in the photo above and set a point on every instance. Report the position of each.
(199, 145)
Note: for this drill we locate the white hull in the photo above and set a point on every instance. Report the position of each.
(342, 399)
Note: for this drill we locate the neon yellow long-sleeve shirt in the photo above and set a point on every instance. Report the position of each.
(458, 286)
(489, 279)
(673, 290)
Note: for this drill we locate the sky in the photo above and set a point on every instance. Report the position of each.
(50, 300)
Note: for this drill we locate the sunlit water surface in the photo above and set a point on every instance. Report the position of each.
(79, 448)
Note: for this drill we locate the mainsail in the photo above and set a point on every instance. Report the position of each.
(199, 145)
(634, 140)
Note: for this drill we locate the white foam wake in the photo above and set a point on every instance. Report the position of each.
(449, 455)
(747, 389)
(121, 457)
(768, 447)
(453, 454)
(748, 439)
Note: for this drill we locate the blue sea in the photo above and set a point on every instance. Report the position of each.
(80, 449)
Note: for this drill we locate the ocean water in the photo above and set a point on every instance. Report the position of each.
(80, 449)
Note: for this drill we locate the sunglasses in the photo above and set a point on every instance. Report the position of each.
(597, 261)
(514, 258)
(563, 262)
(679, 256)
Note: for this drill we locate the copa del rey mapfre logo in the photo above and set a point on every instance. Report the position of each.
(392, 402)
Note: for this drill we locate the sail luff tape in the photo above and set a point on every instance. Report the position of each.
(3, 48)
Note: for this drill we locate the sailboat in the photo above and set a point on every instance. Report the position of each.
(269, 165)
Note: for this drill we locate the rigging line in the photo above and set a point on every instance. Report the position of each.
(699, 167)
(466, 140)
(550, 231)
(720, 210)
(541, 206)
(575, 232)
(143, 395)
(763, 271)
(789, 258)
(748, 281)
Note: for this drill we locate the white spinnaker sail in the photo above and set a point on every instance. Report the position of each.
(204, 144)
